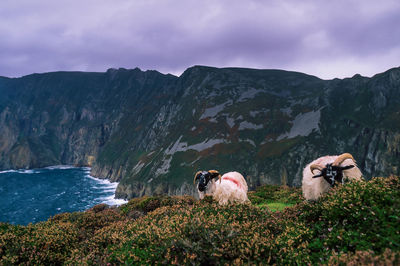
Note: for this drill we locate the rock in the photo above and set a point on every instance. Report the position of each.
(152, 132)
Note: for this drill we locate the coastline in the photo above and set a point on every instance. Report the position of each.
(111, 200)
(110, 186)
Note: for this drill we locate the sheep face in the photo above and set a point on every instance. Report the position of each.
(206, 181)
(204, 178)
(333, 174)
(331, 170)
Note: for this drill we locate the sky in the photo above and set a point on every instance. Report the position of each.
(324, 38)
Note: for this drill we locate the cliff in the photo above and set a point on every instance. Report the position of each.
(152, 132)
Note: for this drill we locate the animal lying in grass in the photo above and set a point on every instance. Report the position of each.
(230, 188)
(330, 171)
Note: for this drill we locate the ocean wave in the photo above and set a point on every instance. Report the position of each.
(111, 200)
(107, 187)
(28, 171)
(112, 189)
(104, 189)
(103, 186)
(103, 181)
(60, 167)
(60, 194)
(8, 171)
(40, 170)
(22, 171)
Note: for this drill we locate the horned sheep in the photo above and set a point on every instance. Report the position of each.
(333, 169)
(229, 188)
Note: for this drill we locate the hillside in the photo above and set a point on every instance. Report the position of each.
(356, 224)
(152, 132)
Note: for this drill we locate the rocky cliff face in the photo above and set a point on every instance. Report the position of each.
(152, 132)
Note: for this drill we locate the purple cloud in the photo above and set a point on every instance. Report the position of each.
(327, 39)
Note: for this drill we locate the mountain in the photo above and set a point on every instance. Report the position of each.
(152, 132)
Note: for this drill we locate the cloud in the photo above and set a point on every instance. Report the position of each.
(327, 39)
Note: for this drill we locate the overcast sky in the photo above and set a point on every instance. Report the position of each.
(320, 37)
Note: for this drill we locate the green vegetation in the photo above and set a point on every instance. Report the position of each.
(275, 198)
(125, 120)
(357, 223)
(274, 206)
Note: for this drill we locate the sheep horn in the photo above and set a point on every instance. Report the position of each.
(341, 158)
(316, 167)
(215, 173)
(196, 176)
(346, 167)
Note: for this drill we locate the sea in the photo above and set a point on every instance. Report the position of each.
(31, 196)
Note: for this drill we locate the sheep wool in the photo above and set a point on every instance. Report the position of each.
(313, 188)
(231, 189)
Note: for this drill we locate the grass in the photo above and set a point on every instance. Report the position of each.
(353, 224)
(274, 206)
(275, 198)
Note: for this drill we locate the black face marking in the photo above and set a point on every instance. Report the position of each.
(333, 174)
(204, 177)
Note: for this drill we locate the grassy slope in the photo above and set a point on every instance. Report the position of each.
(356, 223)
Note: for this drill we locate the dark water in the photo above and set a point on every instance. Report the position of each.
(30, 196)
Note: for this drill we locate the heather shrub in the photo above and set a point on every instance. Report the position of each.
(357, 223)
(273, 193)
(43, 243)
(200, 233)
(147, 204)
(53, 241)
(95, 249)
(388, 257)
(86, 223)
(360, 216)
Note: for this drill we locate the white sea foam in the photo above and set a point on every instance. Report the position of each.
(21, 171)
(60, 167)
(108, 187)
(8, 171)
(102, 185)
(18, 171)
(29, 171)
(59, 194)
(111, 200)
(109, 190)
(37, 171)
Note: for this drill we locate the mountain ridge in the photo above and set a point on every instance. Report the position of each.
(152, 131)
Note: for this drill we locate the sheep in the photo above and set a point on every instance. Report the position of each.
(333, 169)
(231, 187)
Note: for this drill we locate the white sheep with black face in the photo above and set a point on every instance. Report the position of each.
(332, 170)
(229, 188)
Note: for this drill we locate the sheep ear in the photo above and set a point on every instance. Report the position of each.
(315, 176)
(196, 176)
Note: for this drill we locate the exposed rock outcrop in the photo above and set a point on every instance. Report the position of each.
(152, 132)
